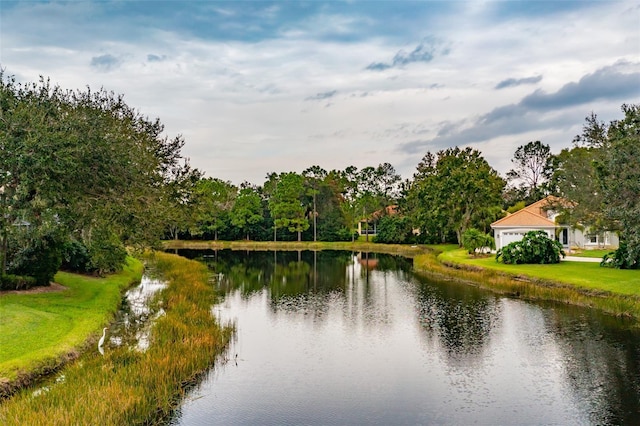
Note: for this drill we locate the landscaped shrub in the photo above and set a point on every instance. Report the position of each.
(16, 282)
(41, 259)
(474, 241)
(535, 247)
(622, 258)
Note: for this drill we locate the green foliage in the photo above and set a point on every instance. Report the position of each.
(393, 229)
(286, 206)
(452, 193)
(516, 207)
(619, 174)
(474, 240)
(16, 282)
(534, 248)
(247, 210)
(79, 161)
(215, 199)
(601, 178)
(622, 258)
(41, 259)
(75, 256)
(106, 252)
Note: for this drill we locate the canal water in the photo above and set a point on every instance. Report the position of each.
(342, 338)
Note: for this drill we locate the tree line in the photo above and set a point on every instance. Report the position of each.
(451, 192)
(83, 175)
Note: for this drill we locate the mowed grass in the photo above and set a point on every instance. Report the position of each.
(595, 253)
(37, 329)
(584, 275)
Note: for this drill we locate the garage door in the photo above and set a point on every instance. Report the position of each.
(509, 237)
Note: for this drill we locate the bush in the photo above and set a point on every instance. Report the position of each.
(534, 248)
(16, 282)
(622, 258)
(474, 241)
(75, 257)
(41, 259)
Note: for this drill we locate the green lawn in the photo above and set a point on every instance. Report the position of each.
(581, 274)
(591, 253)
(40, 327)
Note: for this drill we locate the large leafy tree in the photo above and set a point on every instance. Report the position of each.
(80, 165)
(575, 179)
(619, 173)
(452, 192)
(600, 176)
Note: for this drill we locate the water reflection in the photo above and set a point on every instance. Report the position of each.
(351, 338)
(132, 326)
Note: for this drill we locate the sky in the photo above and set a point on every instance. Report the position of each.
(257, 87)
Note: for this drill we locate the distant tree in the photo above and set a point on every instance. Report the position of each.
(314, 176)
(182, 202)
(286, 206)
(532, 169)
(247, 210)
(376, 189)
(215, 201)
(393, 229)
(575, 179)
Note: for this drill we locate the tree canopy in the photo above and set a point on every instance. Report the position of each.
(453, 191)
(79, 165)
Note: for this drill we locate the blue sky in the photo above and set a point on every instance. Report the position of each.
(258, 87)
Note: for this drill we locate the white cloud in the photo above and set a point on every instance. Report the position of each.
(241, 103)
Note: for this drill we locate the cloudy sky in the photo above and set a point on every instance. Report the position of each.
(258, 87)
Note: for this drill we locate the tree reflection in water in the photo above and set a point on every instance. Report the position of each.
(501, 359)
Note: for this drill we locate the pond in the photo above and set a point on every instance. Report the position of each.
(348, 338)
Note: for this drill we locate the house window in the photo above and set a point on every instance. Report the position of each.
(593, 239)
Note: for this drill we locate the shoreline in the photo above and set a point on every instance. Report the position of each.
(427, 262)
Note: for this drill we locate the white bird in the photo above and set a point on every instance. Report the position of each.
(101, 341)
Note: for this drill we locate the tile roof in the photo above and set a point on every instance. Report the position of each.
(533, 215)
(523, 218)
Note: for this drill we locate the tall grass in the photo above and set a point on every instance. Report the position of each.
(129, 386)
(41, 331)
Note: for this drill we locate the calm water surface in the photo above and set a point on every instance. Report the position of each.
(342, 338)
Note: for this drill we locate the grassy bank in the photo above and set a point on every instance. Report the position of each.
(587, 276)
(42, 329)
(584, 284)
(127, 386)
(578, 283)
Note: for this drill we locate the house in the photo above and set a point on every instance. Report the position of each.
(542, 216)
(370, 224)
